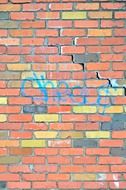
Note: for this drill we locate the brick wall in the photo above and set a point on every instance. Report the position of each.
(62, 94)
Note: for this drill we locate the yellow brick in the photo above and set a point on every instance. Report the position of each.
(84, 177)
(46, 117)
(125, 108)
(19, 67)
(100, 14)
(3, 100)
(71, 134)
(3, 118)
(10, 7)
(33, 143)
(111, 109)
(46, 83)
(84, 109)
(98, 134)
(99, 32)
(74, 15)
(46, 134)
(17, 84)
(30, 74)
(111, 91)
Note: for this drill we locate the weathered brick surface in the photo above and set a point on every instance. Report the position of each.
(62, 94)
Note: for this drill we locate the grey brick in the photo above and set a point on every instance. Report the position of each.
(118, 152)
(82, 58)
(2, 185)
(4, 15)
(117, 125)
(9, 24)
(84, 143)
(119, 117)
(34, 109)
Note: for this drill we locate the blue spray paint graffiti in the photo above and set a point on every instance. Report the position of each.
(42, 84)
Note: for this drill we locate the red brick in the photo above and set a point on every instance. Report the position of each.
(73, 32)
(60, 41)
(73, 49)
(32, 41)
(116, 168)
(9, 177)
(32, 24)
(47, 32)
(20, 135)
(68, 185)
(59, 177)
(58, 160)
(110, 160)
(34, 7)
(111, 143)
(33, 177)
(20, 118)
(20, 100)
(120, 15)
(113, 5)
(96, 185)
(10, 109)
(84, 160)
(17, 169)
(12, 185)
(46, 151)
(33, 160)
(97, 151)
(86, 24)
(39, 185)
(21, 16)
(60, 6)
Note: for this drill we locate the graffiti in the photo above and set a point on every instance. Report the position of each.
(42, 84)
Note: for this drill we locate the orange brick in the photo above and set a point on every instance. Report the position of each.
(59, 109)
(100, 14)
(99, 32)
(48, 15)
(20, 33)
(9, 143)
(87, 6)
(119, 134)
(20, 151)
(61, 126)
(59, 177)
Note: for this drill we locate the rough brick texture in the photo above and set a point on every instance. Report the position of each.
(62, 94)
